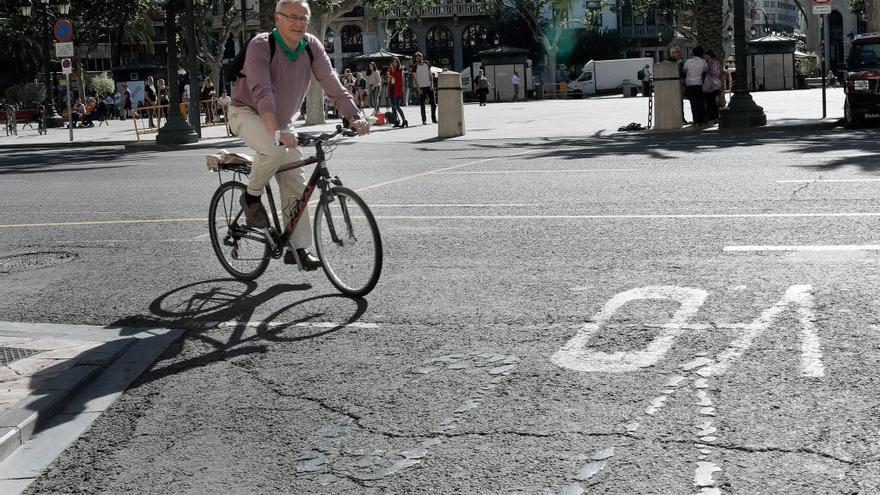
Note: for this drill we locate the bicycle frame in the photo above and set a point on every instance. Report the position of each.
(277, 238)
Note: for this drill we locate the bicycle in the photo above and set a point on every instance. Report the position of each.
(346, 236)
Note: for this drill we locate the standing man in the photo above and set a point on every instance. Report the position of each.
(425, 83)
(150, 98)
(264, 102)
(675, 55)
(515, 81)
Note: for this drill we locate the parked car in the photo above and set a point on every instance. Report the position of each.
(863, 80)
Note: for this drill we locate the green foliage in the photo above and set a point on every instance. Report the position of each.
(857, 7)
(597, 45)
(29, 94)
(806, 66)
(102, 83)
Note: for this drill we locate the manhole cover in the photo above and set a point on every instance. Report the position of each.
(33, 261)
(10, 354)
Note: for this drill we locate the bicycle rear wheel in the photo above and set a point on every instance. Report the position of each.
(243, 253)
(347, 241)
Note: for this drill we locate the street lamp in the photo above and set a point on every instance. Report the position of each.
(742, 110)
(175, 130)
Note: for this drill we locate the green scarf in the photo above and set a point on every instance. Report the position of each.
(292, 55)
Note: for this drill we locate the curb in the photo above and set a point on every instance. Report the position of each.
(17, 425)
(818, 125)
(130, 146)
(153, 146)
(58, 145)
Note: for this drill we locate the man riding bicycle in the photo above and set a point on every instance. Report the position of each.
(265, 101)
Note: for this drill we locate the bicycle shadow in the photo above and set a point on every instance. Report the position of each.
(201, 307)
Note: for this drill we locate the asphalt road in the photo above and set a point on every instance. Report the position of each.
(619, 314)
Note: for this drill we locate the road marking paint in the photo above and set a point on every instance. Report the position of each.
(484, 217)
(434, 172)
(811, 353)
(100, 222)
(200, 236)
(629, 217)
(575, 355)
(844, 247)
(810, 181)
(453, 205)
(539, 171)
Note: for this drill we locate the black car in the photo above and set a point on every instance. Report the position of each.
(863, 80)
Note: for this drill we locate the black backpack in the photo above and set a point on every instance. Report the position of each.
(232, 70)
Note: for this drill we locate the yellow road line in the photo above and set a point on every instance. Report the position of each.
(100, 222)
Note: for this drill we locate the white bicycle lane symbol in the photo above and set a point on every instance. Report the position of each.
(577, 356)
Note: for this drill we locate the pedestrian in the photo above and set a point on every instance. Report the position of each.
(482, 87)
(150, 98)
(424, 82)
(395, 92)
(223, 105)
(126, 101)
(206, 95)
(695, 71)
(374, 82)
(110, 104)
(79, 111)
(515, 81)
(361, 84)
(712, 85)
(675, 56)
(264, 103)
(644, 75)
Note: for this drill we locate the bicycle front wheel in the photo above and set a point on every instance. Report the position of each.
(242, 252)
(347, 241)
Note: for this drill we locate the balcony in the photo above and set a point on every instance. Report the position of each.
(449, 9)
(644, 32)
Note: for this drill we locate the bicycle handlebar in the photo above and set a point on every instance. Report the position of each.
(306, 139)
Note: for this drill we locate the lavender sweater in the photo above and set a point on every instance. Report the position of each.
(281, 87)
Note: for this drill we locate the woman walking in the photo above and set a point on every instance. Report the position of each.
(482, 87)
(395, 91)
(374, 82)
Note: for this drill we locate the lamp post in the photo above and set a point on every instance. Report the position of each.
(741, 111)
(175, 130)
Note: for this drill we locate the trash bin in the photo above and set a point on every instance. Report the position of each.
(629, 88)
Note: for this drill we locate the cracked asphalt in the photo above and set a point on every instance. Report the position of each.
(752, 371)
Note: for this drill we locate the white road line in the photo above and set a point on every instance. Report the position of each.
(844, 247)
(439, 170)
(806, 181)
(628, 217)
(453, 205)
(540, 171)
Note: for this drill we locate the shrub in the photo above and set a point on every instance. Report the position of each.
(102, 84)
(31, 95)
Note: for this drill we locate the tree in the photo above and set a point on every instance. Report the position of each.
(708, 18)
(546, 20)
(210, 39)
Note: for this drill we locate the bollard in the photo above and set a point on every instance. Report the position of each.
(450, 105)
(667, 96)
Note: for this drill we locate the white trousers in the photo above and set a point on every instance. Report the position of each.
(247, 125)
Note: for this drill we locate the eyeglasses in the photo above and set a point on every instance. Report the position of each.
(294, 18)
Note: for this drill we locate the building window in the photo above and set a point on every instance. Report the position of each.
(329, 41)
(439, 46)
(404, 42)
(352, 39)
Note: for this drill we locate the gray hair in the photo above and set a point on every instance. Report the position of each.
(304, 3)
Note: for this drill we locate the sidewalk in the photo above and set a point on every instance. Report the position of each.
(800, 109)
(63, 375)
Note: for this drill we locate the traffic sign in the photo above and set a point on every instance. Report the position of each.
(64, 50)
(821, 9)
(66, 66)
(63, 30)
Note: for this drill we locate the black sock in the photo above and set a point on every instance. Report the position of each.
(250, 198)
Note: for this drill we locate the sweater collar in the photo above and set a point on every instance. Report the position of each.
(293, 54)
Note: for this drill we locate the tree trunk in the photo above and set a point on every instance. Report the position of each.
(267, 15)
(872, 14)
(708, 23)
(315, 97)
